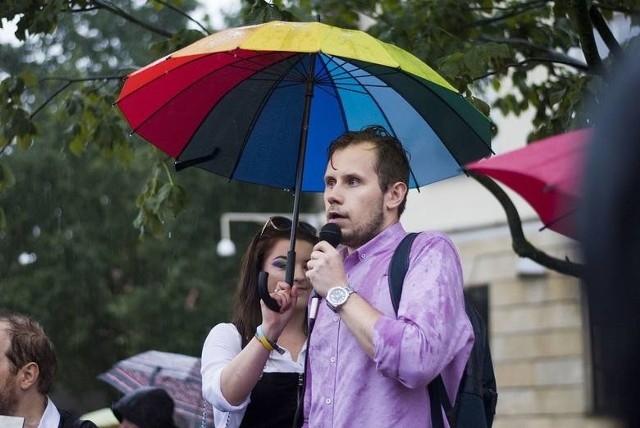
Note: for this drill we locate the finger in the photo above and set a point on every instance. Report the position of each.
(322, 246)
(281, 285)
(295, 291)
(283, 300)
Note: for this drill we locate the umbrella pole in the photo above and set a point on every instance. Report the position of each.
(291, 255)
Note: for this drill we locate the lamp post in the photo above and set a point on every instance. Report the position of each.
(227, 248)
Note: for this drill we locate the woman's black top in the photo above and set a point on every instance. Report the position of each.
(274, 401)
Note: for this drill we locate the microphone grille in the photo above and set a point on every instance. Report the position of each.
(331, 233)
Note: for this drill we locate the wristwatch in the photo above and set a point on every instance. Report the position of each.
(337, 296)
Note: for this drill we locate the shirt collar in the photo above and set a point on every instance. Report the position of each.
(380, 243)
(50, 417)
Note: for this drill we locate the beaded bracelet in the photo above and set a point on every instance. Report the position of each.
(269, 345)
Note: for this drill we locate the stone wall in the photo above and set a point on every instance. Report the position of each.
(538, 337)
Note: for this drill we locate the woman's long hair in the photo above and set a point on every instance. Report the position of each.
(247, 315)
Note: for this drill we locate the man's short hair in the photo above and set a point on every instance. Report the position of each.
(395, 167)
(29, 344)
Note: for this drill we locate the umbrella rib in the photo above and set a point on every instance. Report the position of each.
(454, 111)
(367, 92)
(189, 162)
(273, 66)
(382, 112)
(278, 73)
(255, 118)
(336, 93)
(187, 87)
(558, 219)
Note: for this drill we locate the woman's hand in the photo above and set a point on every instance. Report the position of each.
(274, 322)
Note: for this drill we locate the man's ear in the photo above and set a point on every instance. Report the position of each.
(395, 195)
(28, 375)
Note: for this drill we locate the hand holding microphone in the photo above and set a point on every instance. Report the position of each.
(330, 233)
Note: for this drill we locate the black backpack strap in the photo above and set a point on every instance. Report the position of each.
(398, 268)
(438, 399)
(397, 271)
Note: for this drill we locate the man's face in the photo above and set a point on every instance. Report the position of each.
(352, 196)
(8, 388)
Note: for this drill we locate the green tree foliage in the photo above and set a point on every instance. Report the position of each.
(103, 243)
(102, 292)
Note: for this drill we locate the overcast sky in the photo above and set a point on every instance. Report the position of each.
(216, 6)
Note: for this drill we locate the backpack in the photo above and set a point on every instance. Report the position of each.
(475, 403)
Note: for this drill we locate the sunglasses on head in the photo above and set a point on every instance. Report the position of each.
(281, 224)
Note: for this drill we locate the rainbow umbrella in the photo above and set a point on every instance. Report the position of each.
(261, 103)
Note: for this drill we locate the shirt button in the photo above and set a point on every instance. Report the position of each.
(328, 401)
(362, 256)
(336, 318)
(333, 359)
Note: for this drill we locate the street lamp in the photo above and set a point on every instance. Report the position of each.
(227, 248)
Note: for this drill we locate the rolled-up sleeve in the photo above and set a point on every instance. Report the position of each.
(432, 331)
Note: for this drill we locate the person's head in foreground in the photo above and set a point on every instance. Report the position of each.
(147, 407)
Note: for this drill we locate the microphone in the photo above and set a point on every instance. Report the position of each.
(331, 233)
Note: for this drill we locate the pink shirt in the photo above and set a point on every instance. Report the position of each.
(431, 335)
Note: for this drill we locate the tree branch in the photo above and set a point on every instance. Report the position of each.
(83, 79)
(523, 62)
(615, 8)
(515, 11)
(553, 56)
(585, 33)
(514, 7)
(49, 99)
(121, 13)
(519, 242)
(182, 13)
(605, 32)
(68, 82)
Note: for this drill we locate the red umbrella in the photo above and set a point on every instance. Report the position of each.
(547, 174)
(178, 374)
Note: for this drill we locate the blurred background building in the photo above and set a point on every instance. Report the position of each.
(537, 318)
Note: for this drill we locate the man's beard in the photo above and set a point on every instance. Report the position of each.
(8, 399)
(363, 234)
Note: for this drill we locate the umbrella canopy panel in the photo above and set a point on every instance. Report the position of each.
(547, 174)
(178, 374)
(239, 112)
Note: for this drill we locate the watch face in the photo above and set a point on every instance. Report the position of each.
(338, 295)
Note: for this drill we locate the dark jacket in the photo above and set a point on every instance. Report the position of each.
(67, 420)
